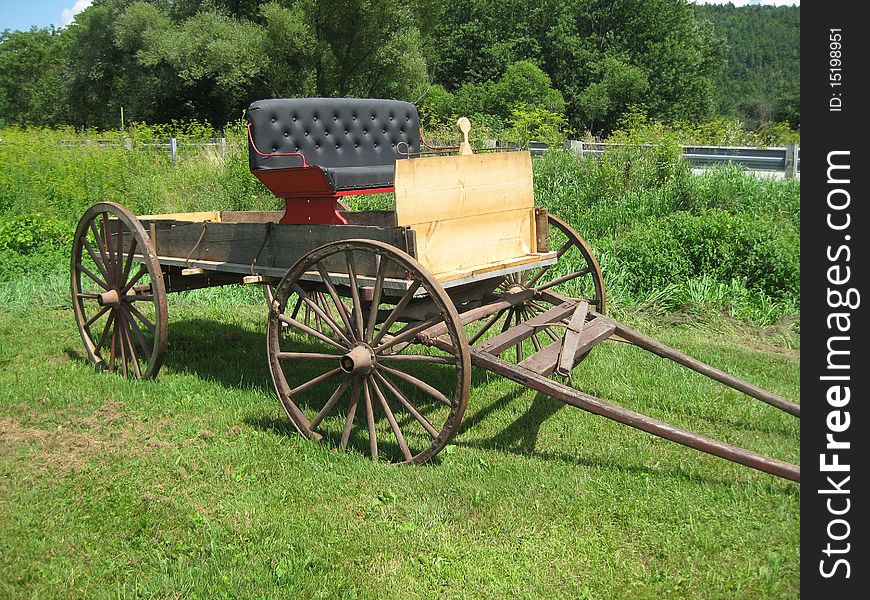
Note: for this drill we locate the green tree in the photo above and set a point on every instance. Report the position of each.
(29, 76)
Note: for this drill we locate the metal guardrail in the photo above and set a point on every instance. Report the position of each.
(786, 159)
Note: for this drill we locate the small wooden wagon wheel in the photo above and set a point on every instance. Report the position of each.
(118, 294)
(355, 374)
(575, 274)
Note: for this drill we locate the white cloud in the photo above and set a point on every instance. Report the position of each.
(68, 14)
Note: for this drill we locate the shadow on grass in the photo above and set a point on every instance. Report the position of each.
(223, 352)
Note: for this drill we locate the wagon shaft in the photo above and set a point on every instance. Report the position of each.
(533, 373)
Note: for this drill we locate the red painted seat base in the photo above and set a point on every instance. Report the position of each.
(308, 195)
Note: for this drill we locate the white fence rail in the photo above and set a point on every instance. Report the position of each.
(170, 145)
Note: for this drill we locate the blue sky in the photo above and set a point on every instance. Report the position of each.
(22, 14)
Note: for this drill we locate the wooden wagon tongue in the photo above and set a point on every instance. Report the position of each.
(585, 329)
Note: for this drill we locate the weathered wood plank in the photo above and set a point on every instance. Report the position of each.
(518, 333)
(572, 339)
(271, 245)
(211, 215)
(545, 361)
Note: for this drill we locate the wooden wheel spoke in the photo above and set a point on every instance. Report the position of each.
(127, 334)
(140, 338)
(354, 294)
(122, 344)
(519, 345)
(129, 263)
(92, 225)
(370, 420)
(113, 348)
(312, 382)
(106, 328)
(535, 342)
(336, 299)
(565, 247)
(331, 402)
(508, 319)
(312, 332)
(551, 335)
(145, 321)
(418, 383)
(92, 276)
(119, 250)
(376, 297)
(565, 278)
(397, 310)
(139, 275)
(106, 242)
(351, 413)
(307, 356)
(295, 312)
(391, 419)
(533, 280)
(407, 334)
(423, 421)
(96, 316)
(321, 314)
(94, 257)
(489, 323)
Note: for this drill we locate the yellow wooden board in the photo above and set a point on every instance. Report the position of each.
(477, 272)
(448, 187)
(453, 244)
(211, 215)
(467, 210)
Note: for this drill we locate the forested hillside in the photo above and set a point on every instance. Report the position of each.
(543, 66)
(759, 80)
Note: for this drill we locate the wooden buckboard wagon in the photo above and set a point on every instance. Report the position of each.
(376, 317)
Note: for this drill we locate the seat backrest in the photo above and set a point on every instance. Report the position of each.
(331, 132)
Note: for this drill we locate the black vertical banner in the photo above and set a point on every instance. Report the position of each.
(834, 300)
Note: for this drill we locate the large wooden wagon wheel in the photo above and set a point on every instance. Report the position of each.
(118, 294)
(354, 374)
(575, 274)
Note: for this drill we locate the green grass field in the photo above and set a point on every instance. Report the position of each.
(196, 485)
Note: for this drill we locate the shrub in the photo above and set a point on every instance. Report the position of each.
(30, 233)
(762, 252)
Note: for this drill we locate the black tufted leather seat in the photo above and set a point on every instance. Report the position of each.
(352, 140)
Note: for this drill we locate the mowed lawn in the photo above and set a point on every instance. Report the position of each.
(196, 485)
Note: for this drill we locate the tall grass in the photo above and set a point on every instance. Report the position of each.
(666, 239)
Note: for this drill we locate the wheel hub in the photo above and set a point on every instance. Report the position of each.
(361, 359)
(109, 298)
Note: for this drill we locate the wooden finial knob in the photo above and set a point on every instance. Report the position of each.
(464, 126)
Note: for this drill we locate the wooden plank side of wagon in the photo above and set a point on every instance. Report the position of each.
(265, 245)
(467, 211)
